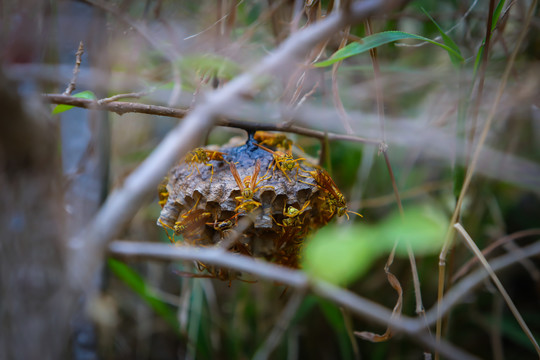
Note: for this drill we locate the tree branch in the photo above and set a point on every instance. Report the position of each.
(89, 245)
(122, 107)
(118, 107)
(294, 278)
(297, 279)
(76, 70)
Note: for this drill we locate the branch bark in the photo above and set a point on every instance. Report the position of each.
(413, 328)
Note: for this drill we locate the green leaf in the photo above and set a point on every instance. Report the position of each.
(375, 40)
(497, 14)
(340, 255)
(87, 94)
(494, 21)
(456, 60)
(422, 227)
(209, 64)
(137, 284)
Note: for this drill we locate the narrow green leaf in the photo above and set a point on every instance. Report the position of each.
(494, 21)
(459, 178)
(375, 40)
(87, 94)
(137, 284)
(456, 60)
(497, 14)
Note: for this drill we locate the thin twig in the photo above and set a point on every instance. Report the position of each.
(388, 199)
(343, 116)
(505, 239)
(438, 38)
(171, 55)
(350, 332)
(279, 329)
(120, 107)
(132, 95)
(219, 21)
(472, 245)
(377, 82)
(509, 169)
(76, 69)
(464, 288)
(476, 155)
(88, 247)
(396, 312)
(294, 278)
(412, 260)
(297, 279)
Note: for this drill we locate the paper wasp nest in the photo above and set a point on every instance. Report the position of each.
(266, 211)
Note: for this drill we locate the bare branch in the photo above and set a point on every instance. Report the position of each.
(76, 69)
(169, 53)
(132, 95)
(487, 250)
(468, 283)
(215, 256)
(298, 279)
(121, 107)
(89, 245)
(118, 107)
(403, 133)
(294, 278)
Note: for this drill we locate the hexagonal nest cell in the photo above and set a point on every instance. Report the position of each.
(255, 199)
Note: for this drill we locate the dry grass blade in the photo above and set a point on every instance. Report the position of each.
(470, 242)
(486, 251)
(474, 160)
(281, 326)
(294, 278)
(366, 335)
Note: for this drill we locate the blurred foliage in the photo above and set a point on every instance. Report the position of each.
(205, 318)
(139, 285)
(342, 254)
(206, 66)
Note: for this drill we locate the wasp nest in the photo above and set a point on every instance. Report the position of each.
(255, 199)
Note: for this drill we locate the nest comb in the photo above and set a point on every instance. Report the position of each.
(203, 201)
